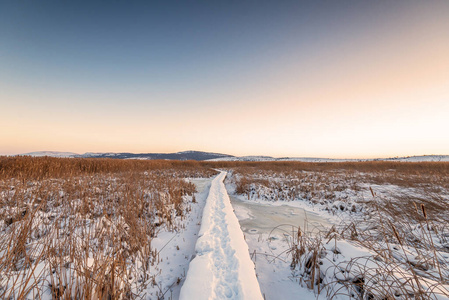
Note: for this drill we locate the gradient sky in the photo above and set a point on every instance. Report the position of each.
(282, 78)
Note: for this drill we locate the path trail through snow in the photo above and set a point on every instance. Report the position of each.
(222, 268)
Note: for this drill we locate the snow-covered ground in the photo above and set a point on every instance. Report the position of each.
(368, 253)
(177, 249)
(222, 268)
(302, 234)
(267, 227)
(85, 230)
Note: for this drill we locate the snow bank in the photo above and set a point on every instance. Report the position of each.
(222, 268)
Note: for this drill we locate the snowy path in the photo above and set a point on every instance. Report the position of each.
(222, 268)
(176, 248)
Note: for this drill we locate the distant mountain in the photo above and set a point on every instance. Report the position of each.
(270, 158)
(420, 158)
(245, 158)
(185, 155)
(51, 153)
(210, 156)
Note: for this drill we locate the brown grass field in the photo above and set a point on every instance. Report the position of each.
(82, 228)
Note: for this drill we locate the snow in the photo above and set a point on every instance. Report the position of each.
(222, 268)
(421, 158)
(418, 158)
(176, 249)
(343, 265)
(277, 281)
(162, 279)
(95, 154)
(244, 158)
(50, 153)
(269, 248)
(269, 158)
(310, 209)
(339, 260)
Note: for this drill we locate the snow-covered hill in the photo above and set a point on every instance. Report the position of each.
(50, 153)
(317, 159)
(210, 156)
(184, 155)
(421, 158)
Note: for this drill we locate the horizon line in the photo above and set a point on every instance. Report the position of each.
(230, 155)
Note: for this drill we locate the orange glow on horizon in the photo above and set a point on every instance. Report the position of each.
(362, 94)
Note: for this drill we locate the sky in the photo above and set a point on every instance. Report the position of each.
(338, 79)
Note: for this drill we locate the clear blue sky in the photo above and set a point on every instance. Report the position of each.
(282, 78)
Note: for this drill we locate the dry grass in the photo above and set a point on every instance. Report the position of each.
(404, 168)
(83, 228)
(396, 261)
(26, 167)
(336, 185)
(395, 214)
